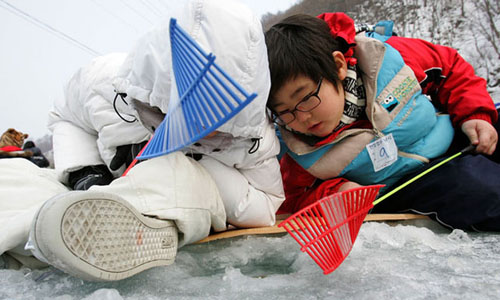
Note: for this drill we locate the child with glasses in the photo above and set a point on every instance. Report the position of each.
(359, 106)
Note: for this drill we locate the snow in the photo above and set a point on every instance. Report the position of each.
(420, 260)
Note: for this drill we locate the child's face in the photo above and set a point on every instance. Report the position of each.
(320, 121)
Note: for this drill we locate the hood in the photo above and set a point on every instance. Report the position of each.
(342, 26)
(226, 28)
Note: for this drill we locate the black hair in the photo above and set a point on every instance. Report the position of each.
(29, 144)
(301, 45)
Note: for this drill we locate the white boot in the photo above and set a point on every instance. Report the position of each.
(100, 237)
(115, 231)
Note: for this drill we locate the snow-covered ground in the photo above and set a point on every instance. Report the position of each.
(387, 262)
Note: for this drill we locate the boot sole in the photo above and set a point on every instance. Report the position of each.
(100, 237)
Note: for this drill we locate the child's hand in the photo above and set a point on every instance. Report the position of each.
(349, 185)
(482, 134)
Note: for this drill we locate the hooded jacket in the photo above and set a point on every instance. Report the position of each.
(241, 158)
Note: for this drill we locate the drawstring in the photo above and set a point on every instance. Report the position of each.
(255, 145)
(122, 95)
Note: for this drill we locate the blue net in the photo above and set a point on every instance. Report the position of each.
(206, 97)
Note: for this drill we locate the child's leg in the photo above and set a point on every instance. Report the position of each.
(173, 187)
(115, 231)
(464, 193)
(24, 187)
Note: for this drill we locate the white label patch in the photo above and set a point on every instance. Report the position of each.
(383, 152)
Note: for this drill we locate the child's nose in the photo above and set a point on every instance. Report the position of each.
(302, 116)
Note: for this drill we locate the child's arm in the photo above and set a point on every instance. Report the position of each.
(249, 182)
(251, 195)
(454, 87)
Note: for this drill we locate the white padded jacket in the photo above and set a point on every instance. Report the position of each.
(87, 130)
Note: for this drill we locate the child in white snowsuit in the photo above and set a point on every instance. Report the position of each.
(235, 179)
(87, 131)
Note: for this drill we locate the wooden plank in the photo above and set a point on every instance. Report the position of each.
(393, 217)
(275, 229)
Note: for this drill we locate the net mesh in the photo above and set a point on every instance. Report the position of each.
(327, 229)
(204, 97)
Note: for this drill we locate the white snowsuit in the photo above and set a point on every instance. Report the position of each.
(86, 129)
(172, 187)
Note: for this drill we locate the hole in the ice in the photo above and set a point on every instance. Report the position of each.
(267, 256)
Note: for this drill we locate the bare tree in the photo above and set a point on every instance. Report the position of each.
(487, 22)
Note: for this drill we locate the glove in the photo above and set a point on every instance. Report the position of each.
(88, 176)
(125, 154)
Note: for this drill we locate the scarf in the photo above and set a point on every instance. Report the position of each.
(354, 108)
(355, 98)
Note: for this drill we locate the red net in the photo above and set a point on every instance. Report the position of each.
(327, 229)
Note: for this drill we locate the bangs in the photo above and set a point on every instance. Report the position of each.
(300, 45)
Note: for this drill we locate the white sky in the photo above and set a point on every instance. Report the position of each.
(35, 62)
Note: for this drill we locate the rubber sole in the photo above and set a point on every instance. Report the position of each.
(100, 237)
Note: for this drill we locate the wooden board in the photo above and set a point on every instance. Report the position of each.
(275, 229)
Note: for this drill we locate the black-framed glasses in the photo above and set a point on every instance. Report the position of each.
(307, 104)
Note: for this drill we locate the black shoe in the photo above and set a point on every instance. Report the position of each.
(88, 176)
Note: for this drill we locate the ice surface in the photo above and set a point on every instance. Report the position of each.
(387, 262)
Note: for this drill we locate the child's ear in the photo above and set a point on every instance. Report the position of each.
(341, 64)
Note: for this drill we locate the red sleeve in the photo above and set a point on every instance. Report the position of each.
(302, 188)
(448, 79)
(10, 149)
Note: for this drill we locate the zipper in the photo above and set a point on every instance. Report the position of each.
(378, 133)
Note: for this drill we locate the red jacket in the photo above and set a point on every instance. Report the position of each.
(443, 75)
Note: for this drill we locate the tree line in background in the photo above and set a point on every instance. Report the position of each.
(471, 27)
